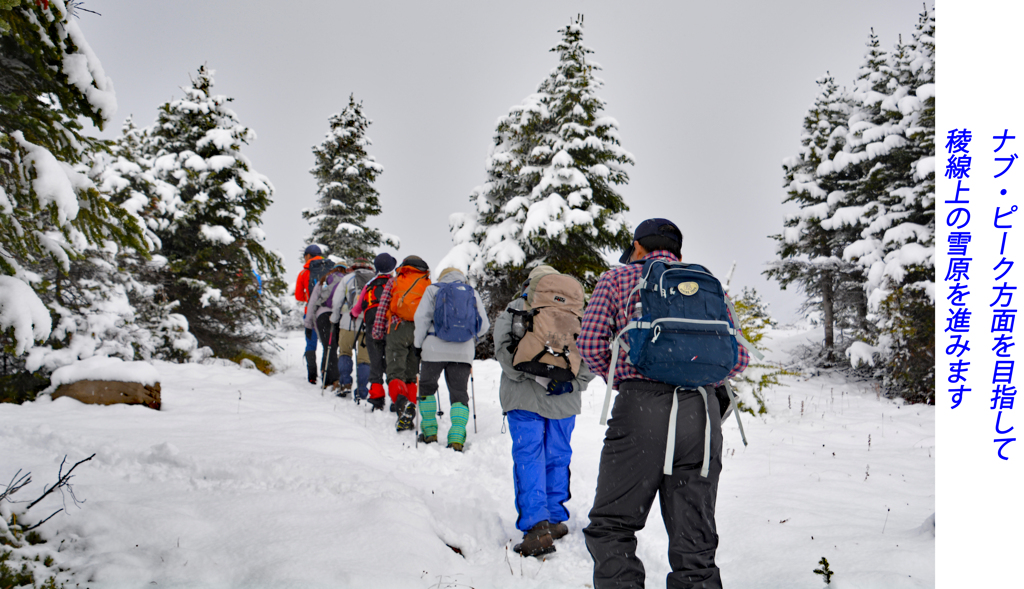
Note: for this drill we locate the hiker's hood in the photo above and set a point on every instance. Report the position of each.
(308, 262)
(451, 275)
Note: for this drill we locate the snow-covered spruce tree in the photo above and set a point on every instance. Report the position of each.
(51, 213)
(345, 174)
(152, 329)
(882, 213)
(210, 232)
(903, 283)
(891, 204)
(549, 196)
(810, 255)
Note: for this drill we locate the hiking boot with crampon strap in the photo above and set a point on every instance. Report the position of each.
(406, 415)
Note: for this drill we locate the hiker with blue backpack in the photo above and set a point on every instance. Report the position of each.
(350, 337)
(662, 334)
(449, 320)
(541, 393)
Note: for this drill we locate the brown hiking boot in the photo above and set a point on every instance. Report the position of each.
(537, 541)
(558, 530)
(455, 446)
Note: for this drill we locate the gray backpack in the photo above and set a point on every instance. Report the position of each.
(359, 279)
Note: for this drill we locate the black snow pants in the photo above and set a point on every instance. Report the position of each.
(456, 376)
(328, 333)
(631, 473)
(376, 347)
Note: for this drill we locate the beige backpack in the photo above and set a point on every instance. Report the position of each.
(554, 309)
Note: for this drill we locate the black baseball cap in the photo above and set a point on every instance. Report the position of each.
(313, 250)
(650, 227)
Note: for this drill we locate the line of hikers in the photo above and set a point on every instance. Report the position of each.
(398, 323)
(658, 331)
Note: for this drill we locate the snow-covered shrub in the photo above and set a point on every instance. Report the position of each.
(755, 321)
(25, 558)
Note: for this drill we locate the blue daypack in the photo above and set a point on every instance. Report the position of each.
(683, 336)
(455, 315)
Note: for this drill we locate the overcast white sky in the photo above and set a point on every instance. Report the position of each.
(710, 97)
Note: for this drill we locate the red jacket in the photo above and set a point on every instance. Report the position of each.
(302, 284)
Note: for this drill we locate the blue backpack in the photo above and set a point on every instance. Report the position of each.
(683, 335)
(455, 315)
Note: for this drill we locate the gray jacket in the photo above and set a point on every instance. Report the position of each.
(435, 349)
(340, 310)
(519, 390)
(314, 310)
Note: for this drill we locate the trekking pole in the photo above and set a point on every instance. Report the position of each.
(736, 410)
(472, 390)
(323, 364)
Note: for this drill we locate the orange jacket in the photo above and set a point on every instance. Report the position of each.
(302, 284)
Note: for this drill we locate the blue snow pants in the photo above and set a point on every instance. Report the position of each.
(540, 457)
(310, 340)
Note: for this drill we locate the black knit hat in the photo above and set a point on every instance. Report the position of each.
(384, 263)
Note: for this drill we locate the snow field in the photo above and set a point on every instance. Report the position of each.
(244, 480)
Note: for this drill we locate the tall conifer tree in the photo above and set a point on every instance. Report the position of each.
(210, 230)
(346, 197)
(51, 213)
(881, 209)
(550, 194)
(811, 254)
(905, 294)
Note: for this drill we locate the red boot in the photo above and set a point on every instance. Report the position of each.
(376, 399)
(411, 390)
(396, 388)
(376, 390)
